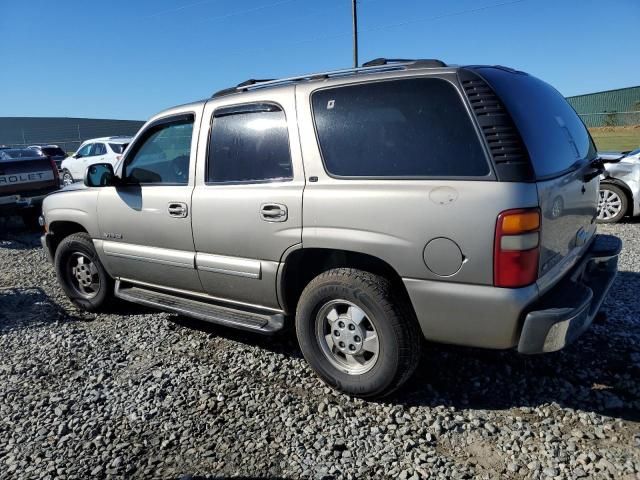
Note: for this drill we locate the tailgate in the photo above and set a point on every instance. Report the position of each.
(568, 205)
(21, 176)
(560, 151)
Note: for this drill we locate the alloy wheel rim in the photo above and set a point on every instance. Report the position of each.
(347, 337)
(83, 274)
(609, 204)
(66, 179)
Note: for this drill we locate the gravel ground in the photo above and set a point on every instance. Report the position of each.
(140, 394)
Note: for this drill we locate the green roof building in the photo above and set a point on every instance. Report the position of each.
(610, 108)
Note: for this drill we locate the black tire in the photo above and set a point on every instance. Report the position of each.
(30, 218)
(66, 173)
(397, 330)
(80, 244)
(604, 187)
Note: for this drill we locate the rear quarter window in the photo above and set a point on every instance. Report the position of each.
(554, 135)
(398, 128)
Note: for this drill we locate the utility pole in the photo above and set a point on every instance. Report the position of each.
(354, 10)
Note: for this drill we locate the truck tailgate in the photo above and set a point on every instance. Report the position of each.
(22, 176)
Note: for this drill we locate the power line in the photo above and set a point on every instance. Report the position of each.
(177, 9)
(384, 27)
(248, 10)
(223, 16)
(439, 17)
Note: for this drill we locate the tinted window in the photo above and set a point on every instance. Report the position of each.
(118, 147)
(98, 149)
(21, 153)
(401, 128)
(53, 151)
(553, 133)
(249, 145)
(162, 154)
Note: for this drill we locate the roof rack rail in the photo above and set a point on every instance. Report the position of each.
(416, 63)
(377, 65)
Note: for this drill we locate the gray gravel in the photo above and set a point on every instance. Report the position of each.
(140, 394)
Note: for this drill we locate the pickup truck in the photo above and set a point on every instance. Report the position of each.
(26, 177)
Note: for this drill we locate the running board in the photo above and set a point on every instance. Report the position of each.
(266, 323)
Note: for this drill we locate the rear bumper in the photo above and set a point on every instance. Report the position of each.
(500, 318)
(567, 310)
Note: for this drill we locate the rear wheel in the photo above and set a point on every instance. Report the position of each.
(81, 274)
(612, 204)
(67, 178)
(356, 333)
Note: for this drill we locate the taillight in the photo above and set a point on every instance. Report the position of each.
(54, 167)
(516, 248)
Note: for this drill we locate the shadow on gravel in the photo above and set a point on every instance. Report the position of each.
(189, 477)
(598, 373)
(14, 236)
(283, 342)
(27, 307)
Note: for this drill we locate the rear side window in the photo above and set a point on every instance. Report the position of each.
(118, 147)
(554, 135)
(400, 128)
(53, 151)
(99, 149)
(249, 144)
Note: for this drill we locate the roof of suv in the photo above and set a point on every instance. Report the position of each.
(114, 139)
(379, 65)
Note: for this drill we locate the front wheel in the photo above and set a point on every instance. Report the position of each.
(81, 274)
(356, 333)
(612, 204)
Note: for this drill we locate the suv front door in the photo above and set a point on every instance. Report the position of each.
(146, 221)
(79, 163)
(247, 204)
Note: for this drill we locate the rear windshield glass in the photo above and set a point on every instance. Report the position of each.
(118, 147)
(400, 128)
(21, 153)
(53, 151)
(554, 135)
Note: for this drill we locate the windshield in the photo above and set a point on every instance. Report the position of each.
(20, 153)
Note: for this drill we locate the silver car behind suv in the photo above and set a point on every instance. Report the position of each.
(372, 207)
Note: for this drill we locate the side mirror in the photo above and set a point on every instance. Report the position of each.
(76, 155)
(99, 175)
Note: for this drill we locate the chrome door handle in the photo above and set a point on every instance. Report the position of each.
(273, 212)
(178, 209)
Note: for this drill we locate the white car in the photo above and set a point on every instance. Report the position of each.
(96, 150)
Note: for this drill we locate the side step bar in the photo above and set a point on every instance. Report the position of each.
(266, 323)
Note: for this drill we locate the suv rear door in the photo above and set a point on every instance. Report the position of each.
(560, 151)
(247, 203)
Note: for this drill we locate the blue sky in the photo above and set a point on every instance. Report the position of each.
(131, 58)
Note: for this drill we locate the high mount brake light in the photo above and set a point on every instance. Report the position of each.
(516, 248)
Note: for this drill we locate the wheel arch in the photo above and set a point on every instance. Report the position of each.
(303, 264)
(59, 230)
